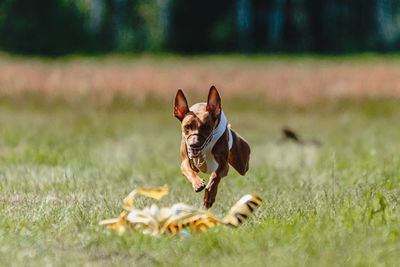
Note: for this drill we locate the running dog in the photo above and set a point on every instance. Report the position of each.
(208, 144)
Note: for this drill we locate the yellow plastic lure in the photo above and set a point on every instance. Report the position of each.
(154, 220)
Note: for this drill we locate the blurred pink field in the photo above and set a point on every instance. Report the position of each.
(299, 80)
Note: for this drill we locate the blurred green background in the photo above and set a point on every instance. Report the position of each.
(56, 27)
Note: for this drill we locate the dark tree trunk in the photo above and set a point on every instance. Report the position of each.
(330, 25)
(275, 22)
(95, 16)
(164, 18)
(386, 28)
(244, 24)
(118, 21)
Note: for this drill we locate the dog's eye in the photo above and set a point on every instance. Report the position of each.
(187, 127)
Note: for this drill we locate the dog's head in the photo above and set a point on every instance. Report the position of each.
(199, 121)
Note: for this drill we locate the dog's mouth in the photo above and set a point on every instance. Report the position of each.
(199, 150)
(196, 152)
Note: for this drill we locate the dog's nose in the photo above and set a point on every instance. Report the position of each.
(195, 144)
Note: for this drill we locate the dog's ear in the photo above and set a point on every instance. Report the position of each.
(181, 105)
(214, 102)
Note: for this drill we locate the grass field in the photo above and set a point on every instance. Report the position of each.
(67, 165)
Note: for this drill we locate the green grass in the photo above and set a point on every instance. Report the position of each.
(65, 168)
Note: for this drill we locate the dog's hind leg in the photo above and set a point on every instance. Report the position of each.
(239, 154)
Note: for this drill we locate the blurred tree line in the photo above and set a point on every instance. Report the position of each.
(186, 26)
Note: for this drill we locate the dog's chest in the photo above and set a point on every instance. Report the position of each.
(210, 164)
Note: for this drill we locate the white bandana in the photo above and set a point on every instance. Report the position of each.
(219, 131)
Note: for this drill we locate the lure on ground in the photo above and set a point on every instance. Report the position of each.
(155, 221)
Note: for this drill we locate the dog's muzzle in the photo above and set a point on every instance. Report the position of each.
(195, 152)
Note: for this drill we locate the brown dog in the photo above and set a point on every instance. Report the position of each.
(208, 144)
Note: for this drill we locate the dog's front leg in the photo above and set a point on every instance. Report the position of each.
(194, 179)
(212, 187)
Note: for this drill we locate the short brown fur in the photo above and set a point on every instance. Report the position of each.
(201, 119)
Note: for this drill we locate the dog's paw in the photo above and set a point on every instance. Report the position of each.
(199, 186)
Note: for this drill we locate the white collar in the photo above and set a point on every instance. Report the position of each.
(218, 131)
